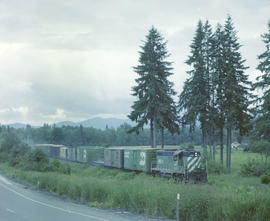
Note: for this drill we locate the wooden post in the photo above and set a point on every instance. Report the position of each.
(177, 206)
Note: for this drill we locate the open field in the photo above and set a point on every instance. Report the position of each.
(225, 197)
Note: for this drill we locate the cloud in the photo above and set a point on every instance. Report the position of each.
(58, 116)
(21, 110)
(64, 60)
(19, 113)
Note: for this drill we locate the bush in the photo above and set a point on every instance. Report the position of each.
(246, 147)
(215, 167)
(3, 156)
(260, 146)
(55, 165)
(8, 141)
(38, 156)
(254, 168)
(265, 179)
(37, 161)
(65, 168)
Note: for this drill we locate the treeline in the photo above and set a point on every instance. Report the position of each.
(89, 136)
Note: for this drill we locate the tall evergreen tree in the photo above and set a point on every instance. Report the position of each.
(236, 87)
(154, 91)
(263, 81)
(262, 124)
(218, 76)
(194, 99)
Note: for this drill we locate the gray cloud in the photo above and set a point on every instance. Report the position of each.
(70, 60)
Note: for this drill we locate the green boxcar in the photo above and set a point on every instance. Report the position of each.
(72, 153)
(139, 159)
(114, 157)
(94, 154)
(63, 153)
(89, 154)
(55, 151)
(81, 154)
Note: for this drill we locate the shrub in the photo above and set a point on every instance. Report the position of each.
(8, 140)
(265, 179)
(260, 146)
(37, 161)
(14, 161)
(55, 165)
(65, 168)
(215, 167)
(3, 156)
(38, 156)
(254, 168)
(245, 147)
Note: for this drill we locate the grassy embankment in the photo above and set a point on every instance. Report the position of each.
(225, 197)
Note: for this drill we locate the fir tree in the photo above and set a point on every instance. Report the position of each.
(154, 92)
(194, 99)
(262, 124)
(263, 81)
(218, 75)
(236, 87)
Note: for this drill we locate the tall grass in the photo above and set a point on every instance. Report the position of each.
(225, 197)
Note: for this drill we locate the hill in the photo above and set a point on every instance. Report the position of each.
(99, 123)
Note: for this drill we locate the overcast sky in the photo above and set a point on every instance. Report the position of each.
(72, 59)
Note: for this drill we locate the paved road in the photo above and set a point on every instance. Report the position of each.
(18, 203)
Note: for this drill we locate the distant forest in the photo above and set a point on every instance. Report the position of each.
(89, 136)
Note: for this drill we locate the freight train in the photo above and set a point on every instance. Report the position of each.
(180, 164)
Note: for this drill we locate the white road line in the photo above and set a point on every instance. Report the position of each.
(3, 179)
(10, 210)
(50, 206)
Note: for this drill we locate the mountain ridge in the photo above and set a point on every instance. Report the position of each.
(97, 122)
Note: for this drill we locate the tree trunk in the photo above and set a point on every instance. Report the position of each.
(228, 160)
(214, 150)
(151, 133)
(162, 137)
(221, 146)
(230, 149)
(213, 144)
(154, 131)
(204, 145)
(210, 146)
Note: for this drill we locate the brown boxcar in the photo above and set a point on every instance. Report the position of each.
(114, 157)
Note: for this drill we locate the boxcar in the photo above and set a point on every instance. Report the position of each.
(81, 154)
(94, 154)
(63, 153)
(139, 158)
(89, 154)
(72, 154)
(114, 157)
